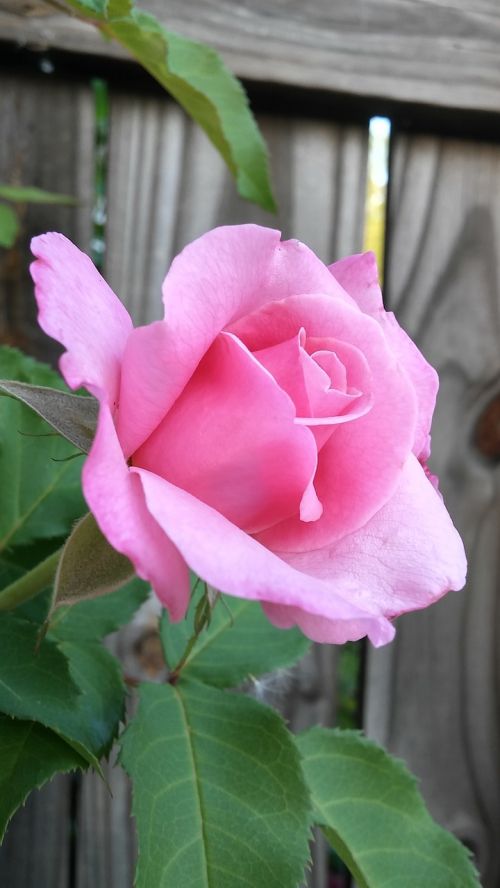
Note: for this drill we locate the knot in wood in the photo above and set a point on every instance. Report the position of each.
(487, 431)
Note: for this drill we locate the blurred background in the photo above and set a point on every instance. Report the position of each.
(382, 119)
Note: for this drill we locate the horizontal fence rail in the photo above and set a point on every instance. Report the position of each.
(425, 51)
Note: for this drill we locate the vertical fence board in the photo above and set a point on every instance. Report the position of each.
(36, 850)
(432, 696)
(47, 141)
(167, 185)
(106, 848)
(106, 845)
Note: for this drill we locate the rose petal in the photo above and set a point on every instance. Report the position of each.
(312, 381)
(328, 631)
(283, 361)
(359, 276)
(234, 270)
(219, 278)
(77, 308)
(151, 380)
(331, 404)
(405, 558)
(231, 440)
(235, 563)
(360, 465)
(332, 367)
(423, 376)
(116, 498)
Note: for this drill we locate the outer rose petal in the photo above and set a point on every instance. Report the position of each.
(116, 499)
(237, 564)
(423, 376)
(231, 440)
(221, 277)
(325, 631)
(77, 308)
(359, 276)
(234, 270)
(404, 559)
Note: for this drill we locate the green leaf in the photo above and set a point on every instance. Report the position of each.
(89, 567)
(30, 584)
(37, 684)
(218, 792)
(9, 226)
(101, 705)
(75, 691)
(14, 563)
(198, 79)
(36, 609)
(39, 479)
(16, 365)
(72, 416)
(29, 756)
(239, 642)
(99, 617)
(9, 570)
(372, 813)
(34, 195)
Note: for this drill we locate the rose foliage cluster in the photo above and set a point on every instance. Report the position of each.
(266, 444)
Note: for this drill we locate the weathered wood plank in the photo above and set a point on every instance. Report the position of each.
(177, 187)
(47, 141)
(106, 843)
(36, 849)
(167, 185)
(423, 51)
(106, 840)
(432, 696)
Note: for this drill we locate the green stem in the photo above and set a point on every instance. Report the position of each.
(29, 585)
(201, 621)
(174, 675)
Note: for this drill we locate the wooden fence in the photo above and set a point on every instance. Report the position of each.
(432, 696)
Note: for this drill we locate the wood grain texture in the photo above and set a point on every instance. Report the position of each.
(167, 185)
(47, 141)
(424, 51)
(432, 696)
(36, 849)
(106, 845)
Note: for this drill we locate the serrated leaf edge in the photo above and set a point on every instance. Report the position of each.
(42, 782)
(332, 835)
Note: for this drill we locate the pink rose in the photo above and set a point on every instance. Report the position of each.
(271, 432)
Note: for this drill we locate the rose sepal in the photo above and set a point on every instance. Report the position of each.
(74, 417)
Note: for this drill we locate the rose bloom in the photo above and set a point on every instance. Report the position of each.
(271, 433)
